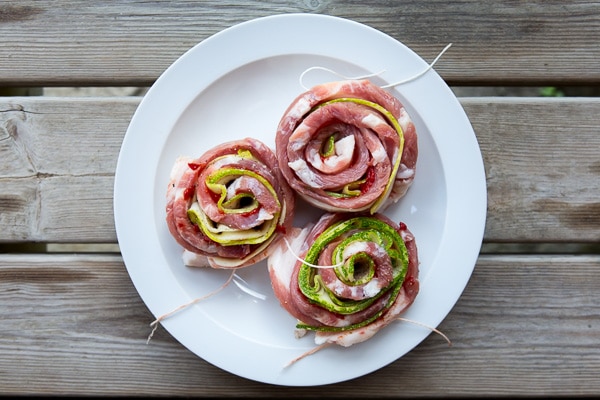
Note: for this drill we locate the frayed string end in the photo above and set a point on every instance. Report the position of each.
(154, 324)
(420, 74)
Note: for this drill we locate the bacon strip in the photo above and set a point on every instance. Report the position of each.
(342, 156)
(243, 205)
(391, 292)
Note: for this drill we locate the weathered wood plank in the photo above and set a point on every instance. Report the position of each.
(49, 43)
(540, 156)
(542, 167)
(525, 325)
(58, 164)
(48, 137)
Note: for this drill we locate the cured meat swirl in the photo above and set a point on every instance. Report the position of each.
(359, 273)
(347, 146)
(228, 206)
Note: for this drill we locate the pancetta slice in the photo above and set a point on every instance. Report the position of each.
(359, 273)
(227, 207)
(347, 146)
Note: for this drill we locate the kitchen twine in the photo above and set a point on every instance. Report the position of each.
(154, 324)
(401, 82)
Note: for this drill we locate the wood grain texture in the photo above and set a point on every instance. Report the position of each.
(542, 167)
(72, 43)
(75, 325)
(540, 157)
(58, 163)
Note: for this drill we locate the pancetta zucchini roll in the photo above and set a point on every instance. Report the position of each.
(346, 276)
(347, 146)
(227, 207)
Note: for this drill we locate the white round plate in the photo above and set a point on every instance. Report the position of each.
(238, 83)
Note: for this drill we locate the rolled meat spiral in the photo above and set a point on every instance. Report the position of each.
(227, 207)
(346, 276)
(347, 146)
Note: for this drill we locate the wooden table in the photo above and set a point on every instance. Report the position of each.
(72, 323)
